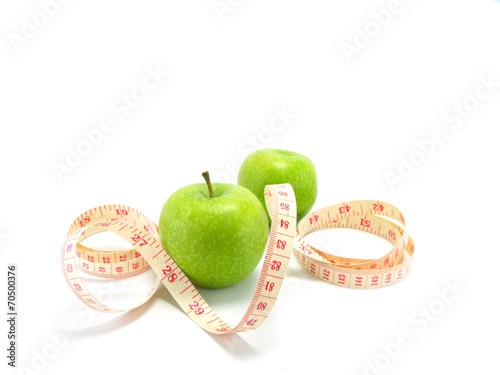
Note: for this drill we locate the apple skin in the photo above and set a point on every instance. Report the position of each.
(216, 242)
(271, 166)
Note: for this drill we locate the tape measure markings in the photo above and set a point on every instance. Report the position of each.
(284, 237)
(143, 235)
(358, 273)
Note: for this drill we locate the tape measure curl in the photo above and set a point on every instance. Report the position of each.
(142, 234)
(363, 215)
(285, 235)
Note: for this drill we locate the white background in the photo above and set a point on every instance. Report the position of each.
(228, 75)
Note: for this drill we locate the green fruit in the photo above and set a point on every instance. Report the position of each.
(217, 237)
(271, 166)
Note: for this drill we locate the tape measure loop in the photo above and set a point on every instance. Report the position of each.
(146, 252)
(365, 215)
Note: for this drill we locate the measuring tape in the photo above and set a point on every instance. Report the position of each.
(357, 273)
(285, 236)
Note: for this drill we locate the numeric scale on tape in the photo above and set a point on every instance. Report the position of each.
(285, 236)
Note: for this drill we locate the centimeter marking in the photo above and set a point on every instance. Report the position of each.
(284, 237)
(147, 253)
(357, 273)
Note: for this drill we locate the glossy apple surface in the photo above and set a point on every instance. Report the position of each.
(217, 241)
(271, 166)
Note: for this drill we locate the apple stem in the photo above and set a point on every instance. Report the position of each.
(206, 176)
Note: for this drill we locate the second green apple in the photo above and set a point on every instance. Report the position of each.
(271, 166)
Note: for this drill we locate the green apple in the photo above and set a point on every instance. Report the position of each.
(216, 233)
(270, 166)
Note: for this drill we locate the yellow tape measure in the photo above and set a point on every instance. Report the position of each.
(285, 235)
